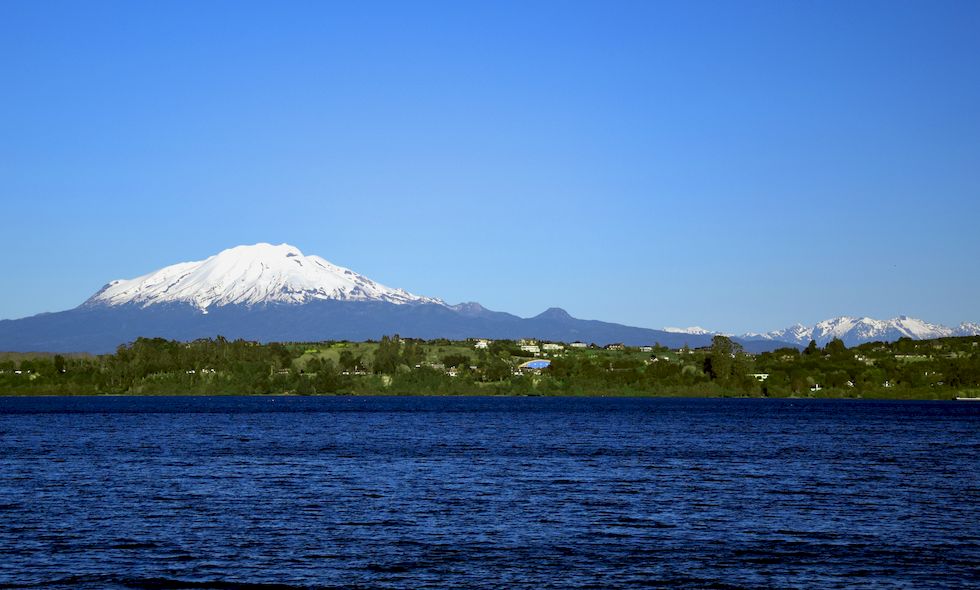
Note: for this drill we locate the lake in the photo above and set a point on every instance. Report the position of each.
(403, 492)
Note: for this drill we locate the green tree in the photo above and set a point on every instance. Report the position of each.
(456, 360)
(327, 379)
(412, 353)
(305, 385)
(721, 360)
(387, 355)
(348, 361)
(835, 348)
(496, 369)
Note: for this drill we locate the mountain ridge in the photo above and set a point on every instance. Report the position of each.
(849, 329)
(99, 329)
(271, 292)
(858, 330)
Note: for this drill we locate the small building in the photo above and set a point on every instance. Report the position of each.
(527, 342)
(646, 349)
(482, 344)
(578, 344)
(552, 346)
(618, 346)
(535, 365)
(532, 348)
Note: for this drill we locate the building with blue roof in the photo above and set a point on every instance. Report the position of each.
(536, 364)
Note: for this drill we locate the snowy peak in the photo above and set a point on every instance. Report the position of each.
(868, 329)
(251, 275)
(967, 329)
(691, 330)
(854, 331)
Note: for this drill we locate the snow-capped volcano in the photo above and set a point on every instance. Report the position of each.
(270, 293)
(251, 275)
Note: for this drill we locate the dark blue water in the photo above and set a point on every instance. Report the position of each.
(488, 493)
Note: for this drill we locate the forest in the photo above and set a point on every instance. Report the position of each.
(907, 369)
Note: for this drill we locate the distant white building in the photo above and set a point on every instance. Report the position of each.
(578, 344)
(533, 348)
(552, 346)
(482, 344)
(646, 349)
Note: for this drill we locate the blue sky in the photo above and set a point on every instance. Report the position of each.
(737, 165)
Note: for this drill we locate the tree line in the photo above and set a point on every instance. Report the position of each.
(937, 369)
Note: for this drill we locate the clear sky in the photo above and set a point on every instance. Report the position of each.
(737, 165)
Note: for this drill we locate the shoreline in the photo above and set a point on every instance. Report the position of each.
(955, 398)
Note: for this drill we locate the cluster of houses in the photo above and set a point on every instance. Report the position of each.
(544, 348)
(555, 349)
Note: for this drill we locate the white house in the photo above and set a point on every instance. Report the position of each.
(552, 346)
(482, 344)
(578, 344)
(531, 348)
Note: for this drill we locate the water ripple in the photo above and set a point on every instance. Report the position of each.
(487, 493)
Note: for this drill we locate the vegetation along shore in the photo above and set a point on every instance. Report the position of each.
(942, 368)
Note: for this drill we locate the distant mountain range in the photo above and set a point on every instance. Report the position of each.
(276, 293)
(853, 331)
